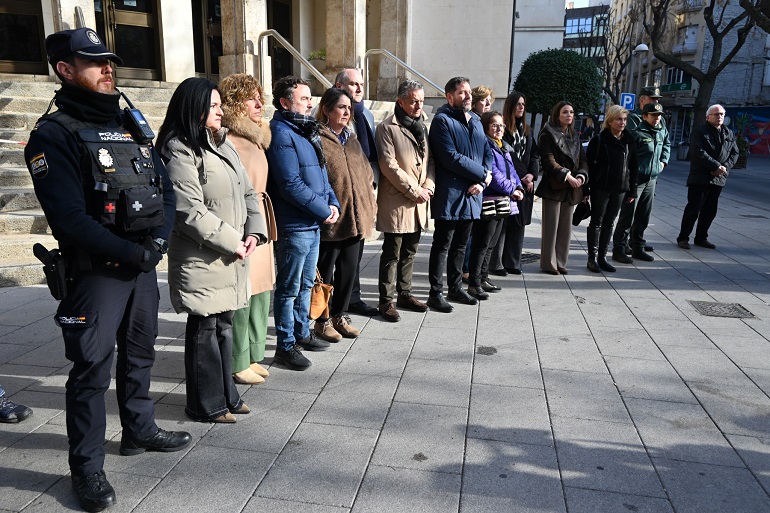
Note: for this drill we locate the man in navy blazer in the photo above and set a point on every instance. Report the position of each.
(463, 162)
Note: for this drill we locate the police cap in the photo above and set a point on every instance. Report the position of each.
(653, 108)
(652, 92)
(84, 42)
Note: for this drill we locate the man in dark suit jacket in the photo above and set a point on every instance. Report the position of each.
(713, 153)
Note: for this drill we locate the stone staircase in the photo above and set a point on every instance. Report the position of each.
(22, 223)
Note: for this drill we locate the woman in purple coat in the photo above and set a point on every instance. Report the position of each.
(505, 184)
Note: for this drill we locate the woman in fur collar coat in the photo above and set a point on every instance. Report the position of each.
(350, 176)
(242, 100)
(564, 173)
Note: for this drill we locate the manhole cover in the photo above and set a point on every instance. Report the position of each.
(528, 258)
(753, 216)
(721, 309)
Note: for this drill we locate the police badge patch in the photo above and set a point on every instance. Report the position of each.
(105, 159)
(145, 152)
(38, 166)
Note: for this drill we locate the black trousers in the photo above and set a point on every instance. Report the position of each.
(355, 294)
(604, 210)
(702, 203)
(338, 265)
(208, 365)
(447, 253)
(484, 235)
(513, 233)
(103, 307)
(397, 264)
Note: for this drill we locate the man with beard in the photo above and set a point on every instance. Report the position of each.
(110, 205)
(350, 79)
(463, 162)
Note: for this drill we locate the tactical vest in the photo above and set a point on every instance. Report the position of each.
(123, 191)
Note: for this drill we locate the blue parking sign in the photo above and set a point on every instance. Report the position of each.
(627, 100)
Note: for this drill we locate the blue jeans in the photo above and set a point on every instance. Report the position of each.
(296, 256)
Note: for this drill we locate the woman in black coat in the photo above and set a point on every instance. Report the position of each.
(506, 257)
(612, 172)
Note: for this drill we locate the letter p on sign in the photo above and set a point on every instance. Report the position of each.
(627, 100)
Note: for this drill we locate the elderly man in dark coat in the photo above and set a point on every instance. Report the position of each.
(713, 152)
(463, 160)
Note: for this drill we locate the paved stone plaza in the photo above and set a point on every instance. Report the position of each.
(582, 393)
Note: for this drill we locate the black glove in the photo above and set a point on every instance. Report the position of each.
(151, 256)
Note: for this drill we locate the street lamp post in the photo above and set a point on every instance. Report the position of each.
(640, 48)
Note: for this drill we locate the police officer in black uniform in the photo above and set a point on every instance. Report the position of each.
(110, 205)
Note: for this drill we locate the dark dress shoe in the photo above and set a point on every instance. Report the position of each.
(553, 272)
(592, 265)
(440, 304)
(460, 296)
(488, 286)
(410, 302)
(478, 293)
(389, 312)
(313, 343)
(683, 244)
(498, 272)
(94, 492)
(705, 244)
(640, 254)
(361, 308)
(161, 441)
(512, 270)
(619, 255)
(562, 270)
(649, 248)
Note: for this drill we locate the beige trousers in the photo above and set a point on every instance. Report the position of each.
(556, 234)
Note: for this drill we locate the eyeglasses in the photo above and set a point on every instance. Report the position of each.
(497, 126)
(718, 114)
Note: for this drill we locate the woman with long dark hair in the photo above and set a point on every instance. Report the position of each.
(217, 226)
(564, 172)
(506, 257)
(613, 170)
(350, 177)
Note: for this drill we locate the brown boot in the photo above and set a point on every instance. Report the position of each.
(341, 323)
(325, 331)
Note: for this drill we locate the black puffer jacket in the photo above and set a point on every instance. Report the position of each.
(612, 163)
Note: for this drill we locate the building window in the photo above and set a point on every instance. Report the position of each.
(677, 76)
(577, 26)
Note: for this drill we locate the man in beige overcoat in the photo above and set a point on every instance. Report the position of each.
(406, 185)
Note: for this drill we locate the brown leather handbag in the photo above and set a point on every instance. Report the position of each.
(320, 295)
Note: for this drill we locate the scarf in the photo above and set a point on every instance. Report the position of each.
(308, 128)
(365, 137)
(415, 126)
(518, 140)
(343, 136)
(87, 105)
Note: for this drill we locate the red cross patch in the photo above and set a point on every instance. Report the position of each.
(109, 207)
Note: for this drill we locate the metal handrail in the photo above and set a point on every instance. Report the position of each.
(382, 51)
(289, 48)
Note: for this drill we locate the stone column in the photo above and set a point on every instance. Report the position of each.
(176, 40)
(345, 35)
(64, 14)
(242, 22)
(394, 37)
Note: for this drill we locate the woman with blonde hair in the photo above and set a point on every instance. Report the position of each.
(242, 101)
(612, 172)
(482, 98)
